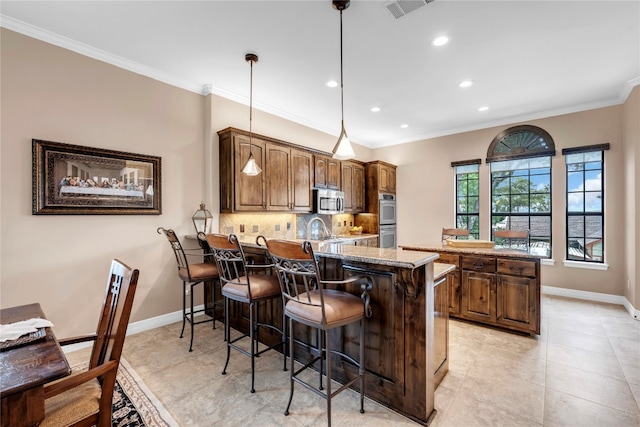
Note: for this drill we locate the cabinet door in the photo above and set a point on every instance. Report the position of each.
(478, 296)
(440, 329)
(347, 185)
(278, 177)
(357, 199)
(333, 174)
(302, 175)
(250, 194)
(321, 171)
(517, 304)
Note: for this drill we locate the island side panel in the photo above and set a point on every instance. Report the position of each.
(399, 338)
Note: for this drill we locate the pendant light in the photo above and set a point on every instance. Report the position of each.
(251, 168)
(343, 149)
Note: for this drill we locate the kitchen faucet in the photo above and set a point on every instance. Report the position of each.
(324, 227)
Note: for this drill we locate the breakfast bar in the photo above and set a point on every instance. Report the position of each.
(401, 336)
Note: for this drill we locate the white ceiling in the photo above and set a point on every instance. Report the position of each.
(528, 59)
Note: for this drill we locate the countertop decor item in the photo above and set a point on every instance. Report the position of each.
(251, 168)
(202, 220)
(343, 149)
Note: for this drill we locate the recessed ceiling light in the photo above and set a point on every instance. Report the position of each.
(332, 83)
(465, 83)
(404, 126)
(375, 109)
(440, 41)
(483, 108)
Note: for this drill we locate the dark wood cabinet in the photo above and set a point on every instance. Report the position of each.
(493, 288)
(353, 186)
(285, 183)
(326, 172)
(288, 179)
(380, 177)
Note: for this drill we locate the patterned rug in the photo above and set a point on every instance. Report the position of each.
(134, 405)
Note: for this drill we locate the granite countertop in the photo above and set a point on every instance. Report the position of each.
(439, 247)
(390, 257)
(440, 270)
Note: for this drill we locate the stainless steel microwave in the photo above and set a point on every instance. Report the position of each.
(328, 201)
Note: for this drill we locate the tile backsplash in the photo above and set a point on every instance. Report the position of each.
(282, 225)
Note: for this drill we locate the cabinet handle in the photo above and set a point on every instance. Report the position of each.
(478, 265)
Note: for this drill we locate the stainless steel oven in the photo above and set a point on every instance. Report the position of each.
(388, 236)
(387, 211)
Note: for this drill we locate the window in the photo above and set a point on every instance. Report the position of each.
(520, 159)
(468, 196)
(585, 203)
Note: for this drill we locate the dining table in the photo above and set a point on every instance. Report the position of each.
(26, 365)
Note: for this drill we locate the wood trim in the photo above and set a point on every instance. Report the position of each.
(466, 162)
(586, 148)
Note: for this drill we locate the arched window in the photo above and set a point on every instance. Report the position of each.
(520, 161)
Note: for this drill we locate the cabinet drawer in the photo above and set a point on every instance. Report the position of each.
(479, 263)
(517, 268)
(449, 259)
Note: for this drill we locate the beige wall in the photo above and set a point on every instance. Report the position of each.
(631, 136)
(61, 261)
(426, 185)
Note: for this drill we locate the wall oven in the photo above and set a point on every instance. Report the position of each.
(328, 202)
(387, 211)
(387, 236)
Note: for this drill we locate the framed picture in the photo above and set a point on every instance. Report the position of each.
(76, 180)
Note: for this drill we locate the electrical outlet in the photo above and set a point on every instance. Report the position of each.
(277, 227)
(288, 226)
(628, 284)
(255, 228)
(242, 228)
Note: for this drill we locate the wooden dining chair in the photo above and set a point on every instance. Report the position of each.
(191, 274)
(453, 233)
(313, 302)
(85, 398)
(519, 237)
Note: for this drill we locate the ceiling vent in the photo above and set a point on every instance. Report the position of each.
(400, 8)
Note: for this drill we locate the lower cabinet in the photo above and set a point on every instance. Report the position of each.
(495, 290)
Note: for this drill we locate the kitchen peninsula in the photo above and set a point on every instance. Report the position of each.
(401, 339)
(497, 287)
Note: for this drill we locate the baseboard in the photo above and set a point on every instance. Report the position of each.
(593, 296)
(141, 326)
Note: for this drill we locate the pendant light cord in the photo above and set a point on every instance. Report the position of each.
(341, 75)
(250, 107)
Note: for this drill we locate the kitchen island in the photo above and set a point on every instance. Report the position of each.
(401, 347)
(497, 287)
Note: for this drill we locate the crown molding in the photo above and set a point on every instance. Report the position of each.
(86, 50)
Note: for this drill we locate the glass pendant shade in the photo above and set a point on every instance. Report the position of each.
(251, 168)
(343, 149)
(202, 219)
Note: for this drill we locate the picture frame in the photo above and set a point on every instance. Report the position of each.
(76, 180)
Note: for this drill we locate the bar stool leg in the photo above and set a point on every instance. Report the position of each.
(361, 367)
(252, 310)
(226, 334)
(292, 372)
(191, 316)
(328, 362)
(284, 342)
(321, 355)
(184, 307)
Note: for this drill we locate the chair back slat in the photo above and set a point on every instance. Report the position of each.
(448, 233)
(297, 271)
(116, 311)
(230, 259)
(178, 250)
(517, 239)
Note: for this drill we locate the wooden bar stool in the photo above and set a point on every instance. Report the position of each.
(515, 239)
(240, 282)
(309, 302)
(453, 233)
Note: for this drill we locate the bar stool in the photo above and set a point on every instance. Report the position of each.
(520, 237)
(448, 233)
(241, 283)
(191, 275)
(309, 302)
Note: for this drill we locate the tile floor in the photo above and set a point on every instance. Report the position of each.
(583, 370)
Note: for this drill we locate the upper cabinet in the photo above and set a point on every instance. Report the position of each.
(380, 178)
(285, 183)
(327, 172)
(353, 186)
